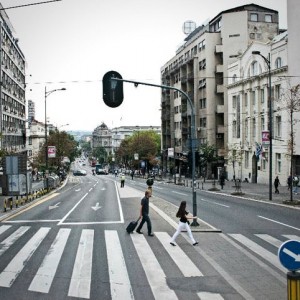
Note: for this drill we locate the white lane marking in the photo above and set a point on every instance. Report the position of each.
(271, 220)
(33, 221)
(16, 265)
(80, 285)
(183, 262)
(157, 188)
(119, 204)
(267, 255)
(118, 276)
(271, 240)
(43, 279)
(90, 189)
(179, 193)
(3, 228)
(155, 275)
(4, 245)
(208, 201)
(54, 206)
(209, 296)
(78, 190)
(62, 220)
(96, 207)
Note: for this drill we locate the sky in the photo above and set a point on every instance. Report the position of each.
(72, 43)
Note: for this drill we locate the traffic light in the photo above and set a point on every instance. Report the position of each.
(112, 89)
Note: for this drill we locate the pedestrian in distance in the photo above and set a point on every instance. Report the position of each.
(122, 180)
(276, 184)
(183, 224)
(144, 214)
(295, 184)
(222, 181)
(289, 182)
(132, 174)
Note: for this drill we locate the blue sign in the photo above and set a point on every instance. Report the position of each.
(289, 255)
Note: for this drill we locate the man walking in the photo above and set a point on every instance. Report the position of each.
(276, 184)
(144, 214)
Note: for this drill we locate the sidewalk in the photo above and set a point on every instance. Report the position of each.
(254, 191)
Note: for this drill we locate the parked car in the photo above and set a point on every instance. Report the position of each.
(79, 173)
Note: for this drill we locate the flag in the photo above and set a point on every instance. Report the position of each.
(258, 149)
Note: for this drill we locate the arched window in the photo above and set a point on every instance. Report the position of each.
(254, 68)
(278, 62)
(234, 78)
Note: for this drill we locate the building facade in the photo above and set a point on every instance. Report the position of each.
(249, 113)
(199, 69)
(12, 89)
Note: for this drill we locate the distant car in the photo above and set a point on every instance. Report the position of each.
(101, 172)
(79, 173)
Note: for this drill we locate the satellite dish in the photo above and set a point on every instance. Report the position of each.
(188, 27)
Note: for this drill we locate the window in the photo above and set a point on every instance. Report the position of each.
(254, 17)
(202, 122)
(202, 83)
(262, 96)
(253, 96)
(246, 100)
(202, 103)
(254, 127)
(246, 128)
(234, 129)
(234, 101)
(262, 123)
(247, 159)
(264, 160)
(278, 162)
(234, 78)
(278, 126)
(277, 91)
(268, 18)
(254, 68)
(278, 62)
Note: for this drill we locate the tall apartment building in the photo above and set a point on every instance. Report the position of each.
(31, 111)
(12, 89)
(199, 68)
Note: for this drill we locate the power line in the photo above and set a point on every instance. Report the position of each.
(30, 4)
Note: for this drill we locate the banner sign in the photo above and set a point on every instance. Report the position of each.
(265, 137)
(51, 151)
(170, 152)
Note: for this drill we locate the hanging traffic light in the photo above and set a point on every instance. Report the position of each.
(112, 89)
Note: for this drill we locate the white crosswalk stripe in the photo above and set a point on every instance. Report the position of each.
(267, 255)
(12, 238)
(119, 280)
(14, 268)
(186, 266)
(155, 275)
(82, 272)
(45, 275)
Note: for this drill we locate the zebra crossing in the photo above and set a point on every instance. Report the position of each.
(80, 283)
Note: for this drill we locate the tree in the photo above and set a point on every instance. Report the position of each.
(101, 154)
(207, 158)
(291, 104)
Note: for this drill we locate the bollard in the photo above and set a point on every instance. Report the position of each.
(4, 205)
(293, 285)
(202, 186)
(17, 202)
(11, 203)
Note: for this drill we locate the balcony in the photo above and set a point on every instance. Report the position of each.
(219, 68)
(220, 88)
(220, 129)
(219, 48)
(220, 109)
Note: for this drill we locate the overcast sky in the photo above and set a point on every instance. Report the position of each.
(73, 43)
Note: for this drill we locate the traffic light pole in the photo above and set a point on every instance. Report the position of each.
(193, 135)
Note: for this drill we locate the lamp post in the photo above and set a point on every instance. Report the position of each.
(268, 62)
(47, 93)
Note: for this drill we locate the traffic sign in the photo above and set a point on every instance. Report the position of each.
(289, 255)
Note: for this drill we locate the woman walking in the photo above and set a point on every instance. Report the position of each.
(183, 224)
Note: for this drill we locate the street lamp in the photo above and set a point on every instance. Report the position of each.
(47, 93)
(268, 62)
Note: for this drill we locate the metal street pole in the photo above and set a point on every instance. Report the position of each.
(193, 136)
(268, 62)
(47, 93)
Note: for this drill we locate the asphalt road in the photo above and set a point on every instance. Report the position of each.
(72, 244)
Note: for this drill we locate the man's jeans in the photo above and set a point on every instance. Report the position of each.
(149, 226)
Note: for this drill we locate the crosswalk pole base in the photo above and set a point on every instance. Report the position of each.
(293, 285)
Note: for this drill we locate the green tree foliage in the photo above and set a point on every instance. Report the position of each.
(145, 143)
(66, 146)
(100, 154)
(207, 157)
